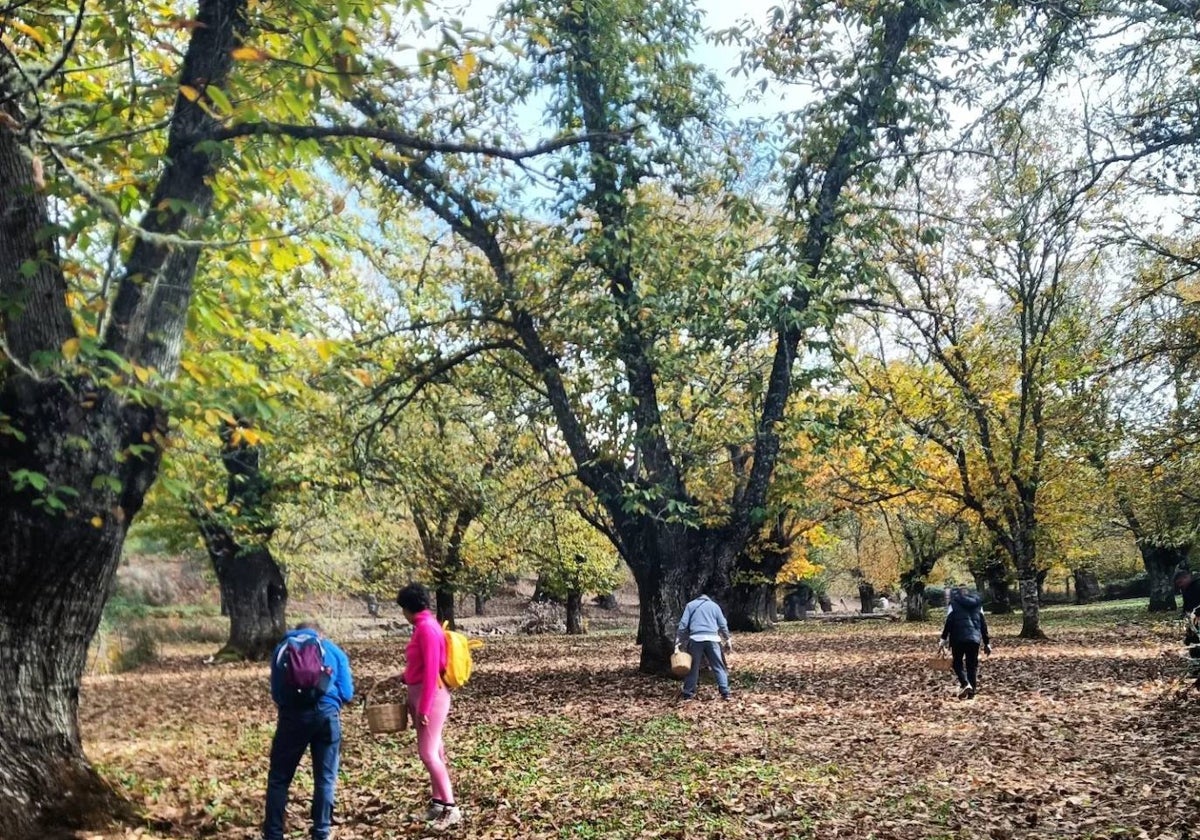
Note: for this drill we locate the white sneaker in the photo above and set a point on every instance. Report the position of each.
(434, 811)
(449, 818)
(965, 691)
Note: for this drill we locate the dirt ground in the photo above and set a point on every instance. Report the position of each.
(836, 730)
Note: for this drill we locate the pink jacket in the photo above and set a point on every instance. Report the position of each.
(425, 657)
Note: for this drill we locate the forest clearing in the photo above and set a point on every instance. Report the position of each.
(779, 309)
(835, 730)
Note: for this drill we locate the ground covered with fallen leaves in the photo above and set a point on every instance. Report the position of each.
(837, 730)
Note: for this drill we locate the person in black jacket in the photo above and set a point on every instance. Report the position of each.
(966, 629)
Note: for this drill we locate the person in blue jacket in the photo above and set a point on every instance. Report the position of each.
(965, 630)
(703, 627)
(306, 724)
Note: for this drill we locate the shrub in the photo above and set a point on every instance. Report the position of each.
(1137, 586)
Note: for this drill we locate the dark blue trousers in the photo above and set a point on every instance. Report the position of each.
(297, 731)
(710, 651)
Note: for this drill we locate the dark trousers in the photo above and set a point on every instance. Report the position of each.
(297, 731)
(710, 651)
(966, 662)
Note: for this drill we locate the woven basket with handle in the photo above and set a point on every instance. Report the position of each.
(383, 718)
(942, 661)
(681, 663)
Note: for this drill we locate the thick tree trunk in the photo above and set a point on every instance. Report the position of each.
(480, 602)
(1161, 563)
(253, 591)
(46, 624)
(445, 606)
(607, 601)
(540, 595)
(999, 588)
(574, 613)
(798, 603)
(56, 570)
(915, 606)
(1030, 610)
(1087, 587)
(677, 564)
(749, 606)
(866, 596)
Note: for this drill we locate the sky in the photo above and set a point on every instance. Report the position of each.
(718, 15)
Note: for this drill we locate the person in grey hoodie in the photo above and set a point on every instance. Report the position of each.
(704, 629)
(965, 629)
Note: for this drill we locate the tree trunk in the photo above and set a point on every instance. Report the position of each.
(253, 591)
(798, 603)
(56, 570)
(999, 587)
(607, 601)
(1087, 587)
(1160, 563)
(675, 564)
(480, 602)
(445, 606)
(749, 606)
(1030, 612)
(574, 613)
(540, 595)
(866, 596)
(915, 606)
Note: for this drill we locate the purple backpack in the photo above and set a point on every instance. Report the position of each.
(306, 678)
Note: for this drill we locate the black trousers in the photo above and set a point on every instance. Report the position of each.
(966, 662)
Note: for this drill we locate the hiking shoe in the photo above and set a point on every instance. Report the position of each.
(726, 696)
(971, 693)
(685, 699)
(434, 811)
(965, 691)
(450, 817)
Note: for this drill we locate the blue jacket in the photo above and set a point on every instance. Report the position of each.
(341, 683)
(702, 618)
(965, 623)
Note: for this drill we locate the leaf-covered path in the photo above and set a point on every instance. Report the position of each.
(836, 731)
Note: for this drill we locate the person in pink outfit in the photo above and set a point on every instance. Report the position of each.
(429, 700)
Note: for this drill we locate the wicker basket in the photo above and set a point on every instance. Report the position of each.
(387, 717)
(681, 663)
(941, 663)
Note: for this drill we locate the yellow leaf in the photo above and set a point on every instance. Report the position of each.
(25, 28)
(189, 93)
(142, 374)
(245, 53)
(97, 522)
(362, 376)
(250, 437)
(70, 349)
(461, 71)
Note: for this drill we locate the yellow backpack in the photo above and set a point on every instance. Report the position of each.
(458, 657)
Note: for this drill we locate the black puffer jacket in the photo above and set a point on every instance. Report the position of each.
(965, 623)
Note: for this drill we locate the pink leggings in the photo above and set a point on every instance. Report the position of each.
(429, 738)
